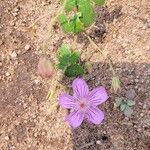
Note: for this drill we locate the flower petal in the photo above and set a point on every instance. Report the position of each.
(66, 101)
(95, 115)
(98, 96)
(75, 118)
(80, 88)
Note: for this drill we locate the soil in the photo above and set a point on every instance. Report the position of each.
(27, 121)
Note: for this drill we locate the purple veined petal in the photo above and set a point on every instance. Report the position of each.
(67, 101)
(98, 96)
(80, 88)
(75, 118)
(94, 115)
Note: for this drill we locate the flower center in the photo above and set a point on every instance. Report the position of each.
(82, 105)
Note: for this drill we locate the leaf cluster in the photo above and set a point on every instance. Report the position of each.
(125, 105)
(69, 61)
(78, 15)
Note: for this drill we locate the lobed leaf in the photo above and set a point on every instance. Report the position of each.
(130, 102)
(123, 106)
(74, 70)
(118, 101)
(64, 22)
(64, 50)
(74, 57)
(72, 25)
(128, 111)
(66, 57)
(87, 11)
(70, 5)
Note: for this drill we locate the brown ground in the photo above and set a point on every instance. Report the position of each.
(26, 120)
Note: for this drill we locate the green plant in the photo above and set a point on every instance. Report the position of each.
(78, 15)
(69, 61)
(125, 105)
(74, 16)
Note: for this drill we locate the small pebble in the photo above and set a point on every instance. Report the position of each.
(15, 14)
(36, 81)
(12, 147)
(25, 121)
(7, 74)
(16, 9)
(6, 138)
(35, 135)
(144, 106)
(14, 55)
(98, 142)
(114, 36)
(27, 47)
(141, 114)
(140, 103)
(1, 64)
(136, 80)
(43, 133)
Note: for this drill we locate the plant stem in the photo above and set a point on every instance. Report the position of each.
(38, 19)
(50, 27)
(101, 52)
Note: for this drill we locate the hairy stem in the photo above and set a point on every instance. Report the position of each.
(101, 52)
(50, 27)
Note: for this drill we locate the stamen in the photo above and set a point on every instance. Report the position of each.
(82, 105)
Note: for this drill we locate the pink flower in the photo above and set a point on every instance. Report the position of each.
(83, 104)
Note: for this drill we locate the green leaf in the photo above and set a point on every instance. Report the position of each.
(78, 25)
(130, 102)
(128, 111)
(63, 62)
(99, 2)
(64, 50)
(63, 55)
(74, 70)
(123, 106)
(84, 17)
(66, 57)
(74, 57)
(65, 23)
(72, 25)
(118, 101)
(87, 11)
(70, 5)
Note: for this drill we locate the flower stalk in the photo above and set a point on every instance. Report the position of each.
(115, 86)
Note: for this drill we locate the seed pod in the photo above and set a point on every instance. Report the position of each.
(46, 68)
(115, 86)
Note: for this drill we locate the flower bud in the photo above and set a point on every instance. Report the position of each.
(46, 68)
(116, 84)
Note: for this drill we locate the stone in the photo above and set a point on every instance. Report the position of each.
(6, 138)
(27, 47)
(98, 142)
(36, 81)
(14, 55)
(7, 74)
